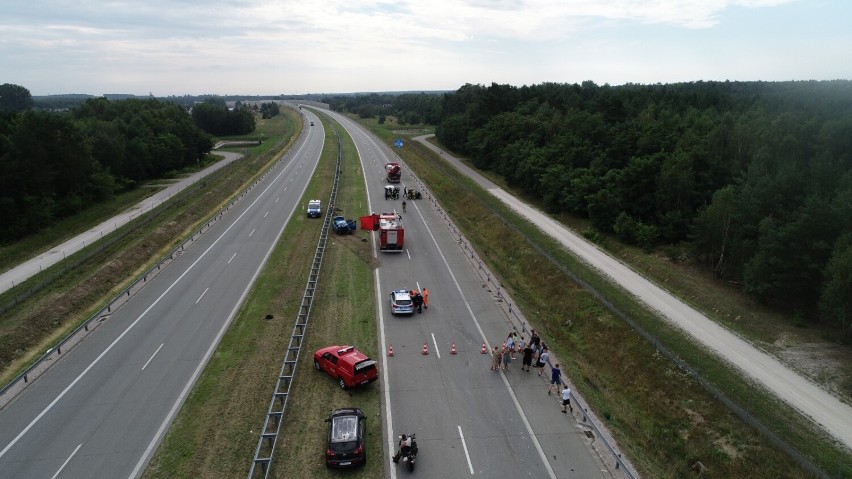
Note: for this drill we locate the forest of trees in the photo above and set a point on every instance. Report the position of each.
(56, 164)
(755, 177)
(214, 117)
(752, 179)
(407, 108)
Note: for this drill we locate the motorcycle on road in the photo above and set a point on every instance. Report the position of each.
(408, 455)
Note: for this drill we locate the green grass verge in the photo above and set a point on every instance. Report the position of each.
(217, 430)
(659, 414)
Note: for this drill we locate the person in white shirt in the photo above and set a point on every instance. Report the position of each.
(566, 399)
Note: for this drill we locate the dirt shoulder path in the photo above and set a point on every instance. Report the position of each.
(9, 279)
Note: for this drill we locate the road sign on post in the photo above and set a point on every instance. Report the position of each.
(398, 143)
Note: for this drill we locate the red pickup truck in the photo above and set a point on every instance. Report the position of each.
(349, 366)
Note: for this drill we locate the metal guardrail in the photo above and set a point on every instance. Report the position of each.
(275, 413)
(14, 387)
(589, 419)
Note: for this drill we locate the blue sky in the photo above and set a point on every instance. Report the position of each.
(270, 47)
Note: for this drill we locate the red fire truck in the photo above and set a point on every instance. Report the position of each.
(389, 226)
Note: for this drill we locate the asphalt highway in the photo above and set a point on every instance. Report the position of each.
(469, 420)
(103, 408)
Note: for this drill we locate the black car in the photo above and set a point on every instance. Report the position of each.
(346, 430)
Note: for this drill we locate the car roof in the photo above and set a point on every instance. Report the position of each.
(401, 292)
(348, 353)
(344, 428)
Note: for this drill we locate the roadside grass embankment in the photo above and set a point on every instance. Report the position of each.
(659, 414)
(216, 431)
(35, 325)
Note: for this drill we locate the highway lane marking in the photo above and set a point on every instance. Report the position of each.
(464, 446)
(382, 340)
(264, 215)
(202, 295)
(67, 461)
(277, 198)
(520, 410)
(232, 258)
(137, 471)
(152, 356)
(389, 415)
(139, 318)
(437, 351)
(252, 232)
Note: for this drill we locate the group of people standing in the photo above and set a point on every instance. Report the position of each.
(420, 300)
(533, 350)
(515, 344)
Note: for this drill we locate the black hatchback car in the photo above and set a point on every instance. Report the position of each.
(346, 429)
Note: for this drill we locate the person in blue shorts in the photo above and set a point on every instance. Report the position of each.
(555, 378)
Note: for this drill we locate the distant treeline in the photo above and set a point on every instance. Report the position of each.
(53, 165)
(69, 101)
(407, 108)
(754, 178)
(215, 118)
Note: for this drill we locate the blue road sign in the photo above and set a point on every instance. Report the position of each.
(398, 143)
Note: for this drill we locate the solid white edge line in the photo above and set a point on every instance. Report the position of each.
(523, 416)
(143, 460)
(136, 321)
(67, 461)
(382, 338)
(533, 437)
(152, 357)
(464, 446)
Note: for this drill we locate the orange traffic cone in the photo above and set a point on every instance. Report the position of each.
(390, 351)
(453, 349)
(484, 349)
(425, 351)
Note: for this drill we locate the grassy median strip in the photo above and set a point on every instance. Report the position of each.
(663, 419)
(217, 430)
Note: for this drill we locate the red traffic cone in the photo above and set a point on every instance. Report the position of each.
(453, 349)
(484, 349)
(425, 351)
(390, 351)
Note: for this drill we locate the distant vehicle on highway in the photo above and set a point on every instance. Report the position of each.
(401, 303)
(314, 209)
(346, 432)
(312, 123)
(349, 366)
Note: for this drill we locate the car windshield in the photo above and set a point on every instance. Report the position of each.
(365, 366)
(344, 428)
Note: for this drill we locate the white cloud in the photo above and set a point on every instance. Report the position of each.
(281, 45)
